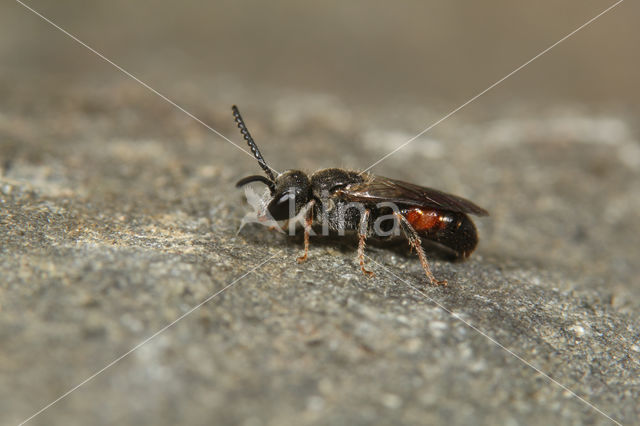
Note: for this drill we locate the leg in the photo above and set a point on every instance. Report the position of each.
(362, 236)
(308, 221)
(415, 243)
(280, 228)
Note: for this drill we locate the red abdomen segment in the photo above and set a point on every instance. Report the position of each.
(453, 230)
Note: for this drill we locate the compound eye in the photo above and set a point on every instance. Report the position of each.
(279, 208)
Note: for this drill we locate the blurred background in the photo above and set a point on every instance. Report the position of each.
(411, 52)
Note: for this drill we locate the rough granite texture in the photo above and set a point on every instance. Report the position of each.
(118, 214)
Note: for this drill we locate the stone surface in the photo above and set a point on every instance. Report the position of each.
(119, 214)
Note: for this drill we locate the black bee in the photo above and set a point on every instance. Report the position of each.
(373, 206)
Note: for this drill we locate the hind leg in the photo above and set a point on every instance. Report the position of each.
(415, 243)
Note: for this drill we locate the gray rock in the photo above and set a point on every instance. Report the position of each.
(119, 215)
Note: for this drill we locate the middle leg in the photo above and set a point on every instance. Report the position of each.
(362, 236)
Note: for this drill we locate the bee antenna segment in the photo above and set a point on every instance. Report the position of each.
(252, 144)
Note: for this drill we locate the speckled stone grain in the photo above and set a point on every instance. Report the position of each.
(118, 214)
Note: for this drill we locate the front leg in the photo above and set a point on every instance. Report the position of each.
(416, 243)
(308, 222)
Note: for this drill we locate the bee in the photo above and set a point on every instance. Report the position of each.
(373, 206)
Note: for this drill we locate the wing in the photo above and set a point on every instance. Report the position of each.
(378, 189)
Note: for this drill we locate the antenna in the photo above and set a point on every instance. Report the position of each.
(251, 143)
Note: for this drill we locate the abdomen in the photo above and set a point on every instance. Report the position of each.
(453, 230)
